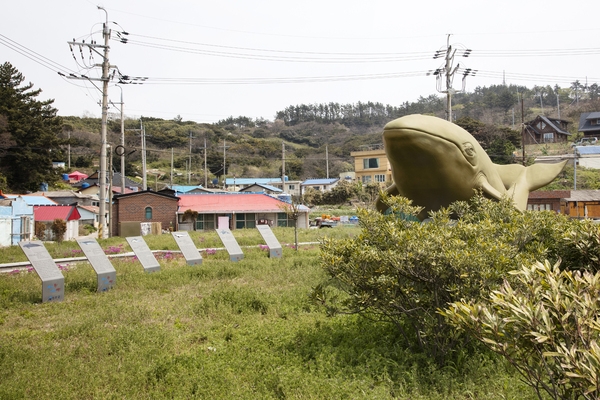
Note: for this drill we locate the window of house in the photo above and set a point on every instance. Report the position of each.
(366, 179)
(148, 212)
(539, 207)
(205, 222)
(25, 227)
(369, 163)
(247, 220)
(284, 221)
(291, 187)
(549, 137)
(380, 178)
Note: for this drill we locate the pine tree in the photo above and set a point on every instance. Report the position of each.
(29, 137)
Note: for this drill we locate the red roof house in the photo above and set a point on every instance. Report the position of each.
(50, 213)
(47, 214)
(243, 210)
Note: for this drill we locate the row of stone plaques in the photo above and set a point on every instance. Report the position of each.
(53, 281)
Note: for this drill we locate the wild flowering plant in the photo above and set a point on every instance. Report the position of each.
(114, 249)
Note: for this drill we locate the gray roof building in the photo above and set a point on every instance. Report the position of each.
(589, 123)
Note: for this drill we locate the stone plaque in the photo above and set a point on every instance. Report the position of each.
(232, 246)
(188, 248)
(143, 253)
(271, 241)
(53, 281)
(107, 276)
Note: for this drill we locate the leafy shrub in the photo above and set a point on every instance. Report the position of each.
(40, 230)
(404, 271)
(89, 229)
(59, 227)
(312, 196)
(190, 215)
(547, 326)
(340, 193)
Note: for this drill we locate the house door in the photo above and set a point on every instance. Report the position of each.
(223, 222)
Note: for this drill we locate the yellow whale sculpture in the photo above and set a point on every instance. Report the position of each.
(435, 162)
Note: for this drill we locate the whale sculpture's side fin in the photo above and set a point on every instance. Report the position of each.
(392, 190)
(520, 180)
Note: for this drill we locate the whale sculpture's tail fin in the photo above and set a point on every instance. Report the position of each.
(520, 180)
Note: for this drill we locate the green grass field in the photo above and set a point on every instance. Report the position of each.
(220, 330)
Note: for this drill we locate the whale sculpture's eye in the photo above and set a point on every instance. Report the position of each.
(469, 151)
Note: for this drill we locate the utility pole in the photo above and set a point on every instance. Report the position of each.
(171, 179)
(541, 94)
(190, 158)
(102, 176)
(93, 46)
(122, 142)
(523, 126)
(575, 168)
(448, 72)
(205, 170)
(224, 164)
(110, 192)
(449, 78)
(143, 134)
(327, 160)
(283, 166)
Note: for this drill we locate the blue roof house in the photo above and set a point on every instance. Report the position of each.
(323, 185)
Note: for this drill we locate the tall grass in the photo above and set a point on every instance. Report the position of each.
(220, 330)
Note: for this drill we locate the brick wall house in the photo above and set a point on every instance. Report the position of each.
(541, 200)
(573, 203)
(144, 206)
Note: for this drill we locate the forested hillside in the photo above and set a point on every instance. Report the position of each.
(317, 137)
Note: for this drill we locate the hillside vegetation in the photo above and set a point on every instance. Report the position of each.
(315, 138)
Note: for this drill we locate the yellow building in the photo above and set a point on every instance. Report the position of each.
(372, 165)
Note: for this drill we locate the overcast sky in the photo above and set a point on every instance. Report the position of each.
(207, 60)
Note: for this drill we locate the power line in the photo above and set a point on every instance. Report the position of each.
(277, 55)
(126, 79)
(537, 52)
(530, 77)
(34, 56)
(271, 80)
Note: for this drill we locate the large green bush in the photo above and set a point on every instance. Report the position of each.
(404, 271)
(547, 326)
